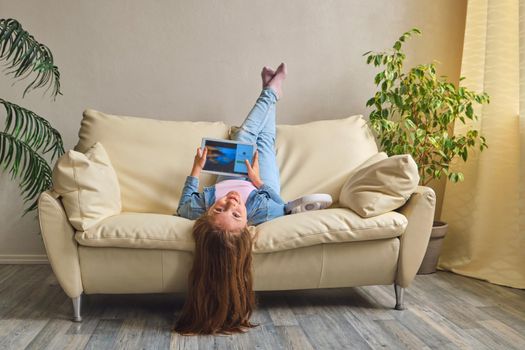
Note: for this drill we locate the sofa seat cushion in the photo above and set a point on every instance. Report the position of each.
(160, 231)
(140, 230)
(326, 226)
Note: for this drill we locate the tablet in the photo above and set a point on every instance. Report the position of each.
(226, 157)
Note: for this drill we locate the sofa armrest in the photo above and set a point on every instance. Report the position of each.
(419, 210)
(60, 244)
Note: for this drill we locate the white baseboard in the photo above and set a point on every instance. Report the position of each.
(24, 259)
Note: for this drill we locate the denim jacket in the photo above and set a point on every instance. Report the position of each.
(263, 204)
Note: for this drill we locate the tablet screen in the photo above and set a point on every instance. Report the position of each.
(227, 157)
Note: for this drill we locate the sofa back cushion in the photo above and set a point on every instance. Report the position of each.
(317, 157)
(151, 157)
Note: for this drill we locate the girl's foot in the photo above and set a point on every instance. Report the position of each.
(267, 75)
(277, 80)
(309, 202)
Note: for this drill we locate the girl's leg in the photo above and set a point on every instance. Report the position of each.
(268, 169)
(259, 128)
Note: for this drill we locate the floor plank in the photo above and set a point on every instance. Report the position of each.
(280, 312)
(105, 334)
(444, 311)
(293, 337)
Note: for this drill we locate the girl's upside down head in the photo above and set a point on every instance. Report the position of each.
(220, 297)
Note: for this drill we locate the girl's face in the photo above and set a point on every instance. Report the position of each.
(229, 212)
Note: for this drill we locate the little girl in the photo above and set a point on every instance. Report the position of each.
(220, 295)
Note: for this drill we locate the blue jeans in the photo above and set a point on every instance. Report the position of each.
(259, 128)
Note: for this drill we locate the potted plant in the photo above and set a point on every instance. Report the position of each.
(27, 134)
(413, 112)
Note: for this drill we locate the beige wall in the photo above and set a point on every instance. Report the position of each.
(200, 60)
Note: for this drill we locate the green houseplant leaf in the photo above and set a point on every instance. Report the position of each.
(32, 129)
(413, 110)
(33, 170)
(26, 133)
(25, 55)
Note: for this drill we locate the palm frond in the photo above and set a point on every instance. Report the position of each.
(32, 129)
(27, 56)
(35, 173)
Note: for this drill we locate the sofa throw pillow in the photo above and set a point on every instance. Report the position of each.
(380, 185)
(373, 159)
(88, 186)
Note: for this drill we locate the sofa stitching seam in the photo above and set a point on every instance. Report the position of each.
(290, 240)
(322, 267)
(162, 268)
(135, 239)
(263, 250)
(78, 191)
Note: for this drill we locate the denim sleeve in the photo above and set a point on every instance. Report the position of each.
(273, 195)
(266, 209)
(189, 193)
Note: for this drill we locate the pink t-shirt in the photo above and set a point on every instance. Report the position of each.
(242, 186)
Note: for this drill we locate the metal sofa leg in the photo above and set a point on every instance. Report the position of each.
(76, 308)
(400, 305)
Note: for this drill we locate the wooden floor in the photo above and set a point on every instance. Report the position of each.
(444, 311)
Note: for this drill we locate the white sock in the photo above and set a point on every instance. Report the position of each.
(308, 202)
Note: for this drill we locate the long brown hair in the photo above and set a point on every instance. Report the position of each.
(220, 297)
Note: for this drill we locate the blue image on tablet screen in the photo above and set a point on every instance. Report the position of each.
(227, 157)
(243, 152)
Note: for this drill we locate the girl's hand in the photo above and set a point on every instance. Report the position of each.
(199, 161)
(253, 170)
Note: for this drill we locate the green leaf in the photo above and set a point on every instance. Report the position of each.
(469, 111)
(414, 111)
(36, 131)
(397, 45)
(464, 155)
(35, 175)
(25, 55)
(397, 100)
(378, 78)
(410, 124)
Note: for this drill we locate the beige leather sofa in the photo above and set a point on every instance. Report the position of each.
(147, 249)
